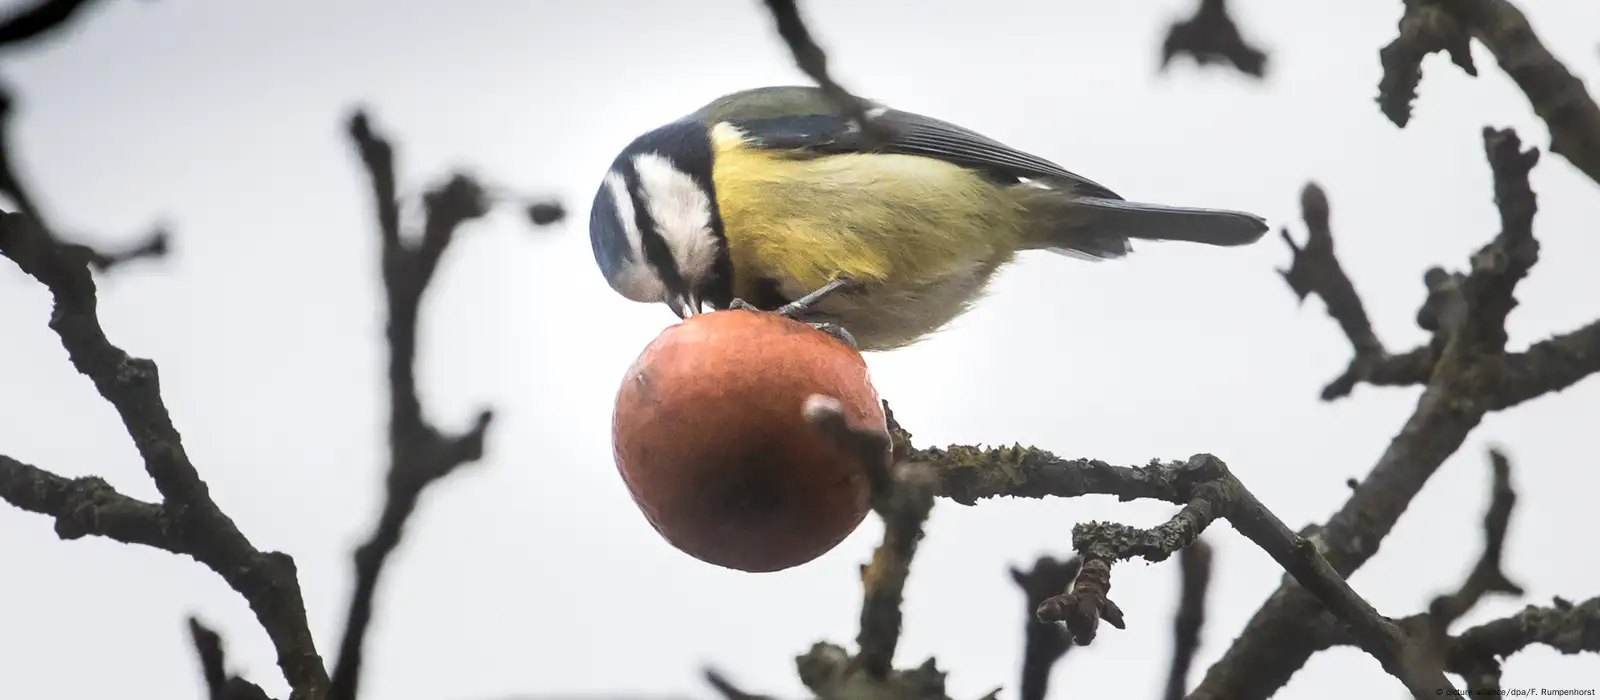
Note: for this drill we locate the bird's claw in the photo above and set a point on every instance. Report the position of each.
(797, 309)
(838, 332)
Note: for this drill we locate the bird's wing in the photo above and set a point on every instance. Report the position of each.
(803, 119)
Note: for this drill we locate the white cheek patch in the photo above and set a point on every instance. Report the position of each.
(623, 201)
(682, 211)
(637, 280)
(725, 135)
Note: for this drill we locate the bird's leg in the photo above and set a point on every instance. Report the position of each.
(797, 309)
(799, 306)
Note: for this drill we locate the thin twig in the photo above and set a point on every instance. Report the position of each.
(157, 243)
(727, 689)
(814, 62)
(220, 685)
(213, 664)
(154, 245)
(419, 453)
(1195, 566)
(1486, 577)
(1315, 269)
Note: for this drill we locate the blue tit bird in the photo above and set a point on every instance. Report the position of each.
(773, 198)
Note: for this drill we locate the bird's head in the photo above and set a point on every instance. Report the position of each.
(654, 226)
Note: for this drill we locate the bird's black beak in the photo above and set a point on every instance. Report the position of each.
(686, 305)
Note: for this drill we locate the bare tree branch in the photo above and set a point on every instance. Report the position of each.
(1431, 629)
(1315, 269)
(1567, 628)
(1212, 37)
(419, 452)
(1465, 369)
(1486, 577)
(1425, 28)
(1557, 96)
(1208, 492)
(1467, 313)
(187, 521)
(1547, 366)
(85, 506)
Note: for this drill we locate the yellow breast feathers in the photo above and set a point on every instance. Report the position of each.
(883, 218)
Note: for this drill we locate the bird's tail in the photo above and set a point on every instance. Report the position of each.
(1102, 228)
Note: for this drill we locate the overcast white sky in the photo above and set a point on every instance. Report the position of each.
(534, 573)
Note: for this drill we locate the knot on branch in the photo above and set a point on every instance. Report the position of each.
(80, 514)
(1445, 308)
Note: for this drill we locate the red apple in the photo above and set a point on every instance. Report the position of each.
(710, 438)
